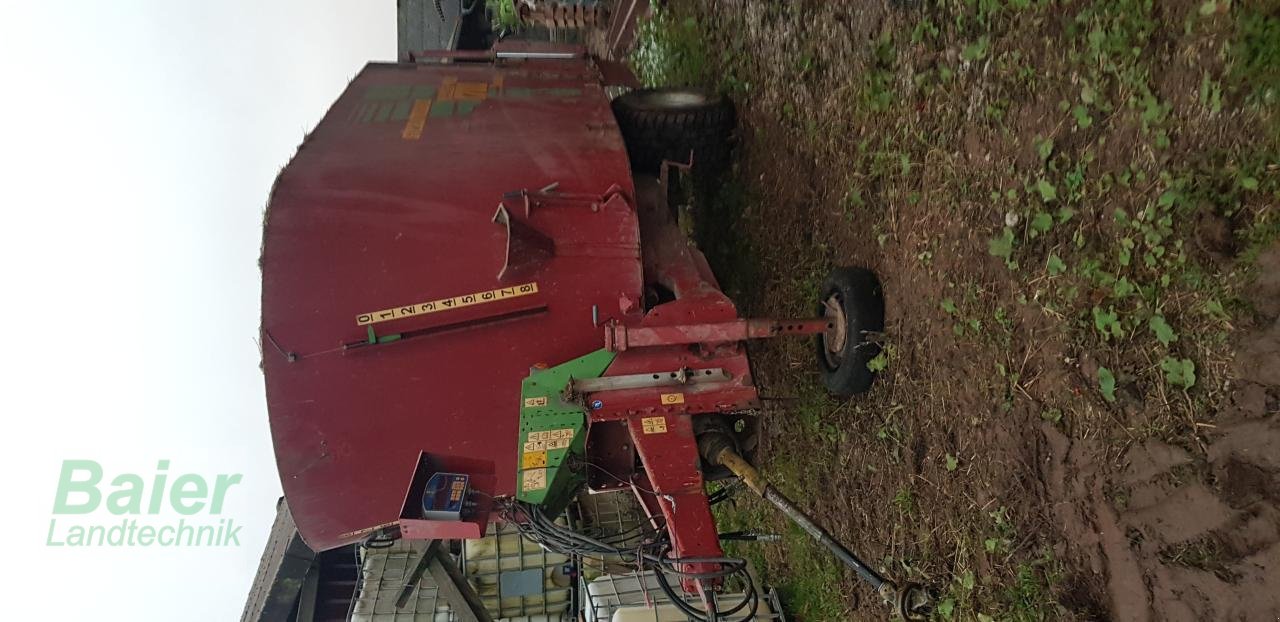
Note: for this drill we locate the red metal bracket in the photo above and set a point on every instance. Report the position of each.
(414, 527)
(618, 337)
(669, 451)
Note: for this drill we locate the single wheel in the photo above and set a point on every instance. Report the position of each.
(674, 124)
(914, 603)
(852, 300)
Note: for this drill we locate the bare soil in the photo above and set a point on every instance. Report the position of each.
(986, 462)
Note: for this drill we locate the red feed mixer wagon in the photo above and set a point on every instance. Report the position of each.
(477, 303)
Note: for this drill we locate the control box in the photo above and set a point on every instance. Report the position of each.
(445, 496)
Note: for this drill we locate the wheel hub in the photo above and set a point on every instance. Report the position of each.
(834, 338)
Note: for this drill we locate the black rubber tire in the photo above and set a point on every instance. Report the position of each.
(672, 123)
(859, 295)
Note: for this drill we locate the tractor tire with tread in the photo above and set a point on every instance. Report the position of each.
(673, 123)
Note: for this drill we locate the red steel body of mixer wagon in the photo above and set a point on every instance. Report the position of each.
(447, 227)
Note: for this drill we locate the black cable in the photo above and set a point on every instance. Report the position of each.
(381, 539)
(543, 530)
(749, 597)
(725, 492)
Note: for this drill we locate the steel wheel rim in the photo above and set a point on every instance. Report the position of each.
(834, 338)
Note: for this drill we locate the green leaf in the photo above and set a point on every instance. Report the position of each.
(991, 544)
(982, 617)
(1046, 189)
(967, 581)
(1041, 222)
(1125, 256)
(1215, 100)
(1179, 372)
(1152, 110)
(1122, 288)
(880, 362)
(1215, 308)
(1044, 147)
(1209, 7)
(1163, 332)
(1107, 323)
(1056, 265)
(1249, 183)
(947, 608)
(1097, 37)
(1065, 213)
(952, 462)
(1083, 118)
(1088, 95)
(1002, 245)
(1107, 384)
(949, 306)
(977, 50)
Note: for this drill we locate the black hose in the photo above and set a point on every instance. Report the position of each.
(750, 597)
(535, 525)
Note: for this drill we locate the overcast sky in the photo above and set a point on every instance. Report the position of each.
(139, 141)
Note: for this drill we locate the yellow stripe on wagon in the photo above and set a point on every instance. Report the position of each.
(446, 304)
(417, 120)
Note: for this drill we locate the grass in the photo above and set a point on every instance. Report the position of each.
(1076, 184)
(1256, 52)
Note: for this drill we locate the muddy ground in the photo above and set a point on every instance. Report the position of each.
(1072, 208)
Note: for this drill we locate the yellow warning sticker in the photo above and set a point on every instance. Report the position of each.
(547, 440)
(533, 402)
(654, 425)
(533, 479)
(417, 120)
(551, 435)
(672, 398)
(446, 304)
(533, 460)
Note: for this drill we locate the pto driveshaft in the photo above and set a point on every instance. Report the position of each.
(911, 602)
